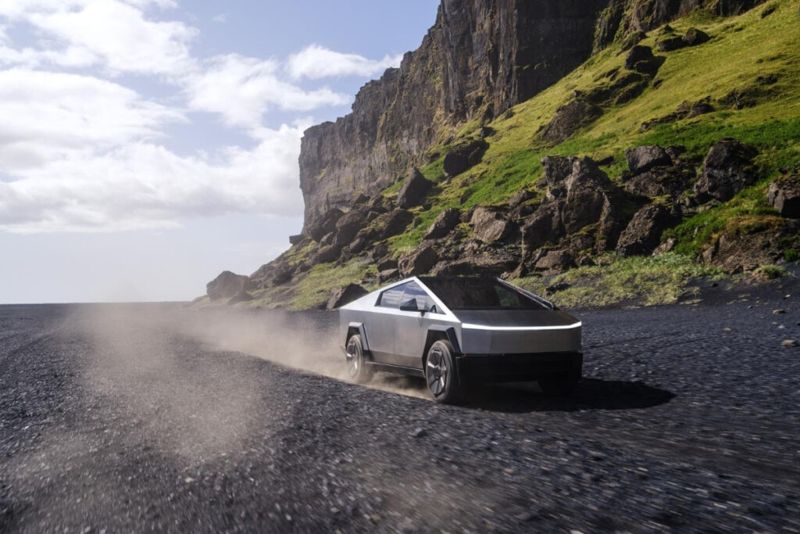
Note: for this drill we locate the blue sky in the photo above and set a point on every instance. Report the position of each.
(149, 144)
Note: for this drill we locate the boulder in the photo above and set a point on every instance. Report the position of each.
(784, 196)
(464, 156)
(641, 59)
(420, 261)
(385, 265)
(394, 222)
(643, 233)
(227, 285)
(327, 254)
(282, 274)
(520, 197)
(378, 204)
(388, 275)
(644, 158)
(414, 189)
(359, 243)
(662, 181)
(296, 239)
(489, 224)
(568, 119)
(586, 195)
(348, 226)
(544, 226)
(695, 37)
(488, 262)
(554, 261)
(325, 224)
(344, 295)
(556, 170)
(727, 169)
(444, 223)
(327, 239)
(669, 44)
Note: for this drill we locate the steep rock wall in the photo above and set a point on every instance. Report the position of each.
(480, 58)
(622, 17)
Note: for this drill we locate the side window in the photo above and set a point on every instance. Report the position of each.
(392, 298)
(399, 295)
(424, 302)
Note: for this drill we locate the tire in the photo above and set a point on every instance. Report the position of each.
(560, 386)
(357, 369)
(441, 374)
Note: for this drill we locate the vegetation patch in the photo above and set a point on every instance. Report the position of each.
(615, 281)
(746, 212)
(315, 288)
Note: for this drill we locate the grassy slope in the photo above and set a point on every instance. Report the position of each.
(742, 48)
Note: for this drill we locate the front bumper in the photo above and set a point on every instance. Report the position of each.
(518, 367)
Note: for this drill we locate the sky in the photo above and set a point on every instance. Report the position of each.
(147, 145)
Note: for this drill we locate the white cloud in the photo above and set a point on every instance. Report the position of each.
(82, 153)
(241, 89)
(143, 185)
(111, 33)
(316, 62)
(144, 4)
(47, 115)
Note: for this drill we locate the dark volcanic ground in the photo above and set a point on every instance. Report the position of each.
(144, 418)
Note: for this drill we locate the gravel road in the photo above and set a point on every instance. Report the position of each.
(161, 418)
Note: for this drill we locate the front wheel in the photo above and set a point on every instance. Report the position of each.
(441, 374)
(357, 369)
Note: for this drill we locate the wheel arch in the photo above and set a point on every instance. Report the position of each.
(357, 328)
(435, 333)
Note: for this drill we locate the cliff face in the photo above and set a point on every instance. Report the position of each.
(480, 58)
(501, 202)
(623, 17)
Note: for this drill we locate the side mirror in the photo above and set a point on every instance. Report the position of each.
(410, 305)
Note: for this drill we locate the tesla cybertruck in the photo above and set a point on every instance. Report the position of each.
(460, 330)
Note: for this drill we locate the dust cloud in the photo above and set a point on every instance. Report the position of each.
(166, 368)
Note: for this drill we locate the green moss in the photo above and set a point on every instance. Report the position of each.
(315, 288)
(616, 280)
(745, 210)
(770, 272)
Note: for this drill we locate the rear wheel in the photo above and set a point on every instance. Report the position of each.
(560, 386)
(357, 369)
(441, 374)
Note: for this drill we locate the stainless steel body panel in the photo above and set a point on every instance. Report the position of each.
(481, 341)
(397, 337)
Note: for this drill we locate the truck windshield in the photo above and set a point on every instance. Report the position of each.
(479, 294)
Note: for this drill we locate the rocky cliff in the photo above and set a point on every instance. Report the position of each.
(553, 140)
(479, 58)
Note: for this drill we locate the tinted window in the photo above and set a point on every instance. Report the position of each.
(480, 294)
(414, 291)
(396, 296)
(392, 298)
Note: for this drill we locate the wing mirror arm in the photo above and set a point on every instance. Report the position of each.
(412, 306)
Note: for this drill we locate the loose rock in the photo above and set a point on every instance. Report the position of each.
(414, 189)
